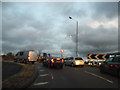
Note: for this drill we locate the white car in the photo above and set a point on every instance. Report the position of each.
(74, 61)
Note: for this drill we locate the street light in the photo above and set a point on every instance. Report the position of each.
(76, 37)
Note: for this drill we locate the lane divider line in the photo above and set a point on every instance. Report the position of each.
(42, 83)
(43, 75)
(99, 77)
(52, 77)
(42, 70)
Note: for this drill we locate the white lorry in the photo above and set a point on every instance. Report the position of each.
(26, 56)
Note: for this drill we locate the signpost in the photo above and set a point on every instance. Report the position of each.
(62, 53)
(97, 56)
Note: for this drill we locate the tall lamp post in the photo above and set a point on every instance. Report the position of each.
(76, 37)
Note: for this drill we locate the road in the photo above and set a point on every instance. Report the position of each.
(9, 69)
(73, 77)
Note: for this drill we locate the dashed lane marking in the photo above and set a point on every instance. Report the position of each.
(44, 75)
(42, 70)
(42, 83)
(99, 77)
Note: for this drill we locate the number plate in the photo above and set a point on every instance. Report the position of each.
(58, 61)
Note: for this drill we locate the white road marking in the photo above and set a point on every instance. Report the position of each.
(42, 70)
(43, 75)
(52, 76)
(42, 83)
(99, 77)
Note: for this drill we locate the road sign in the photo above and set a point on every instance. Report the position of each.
(62, 50)
(97, 56)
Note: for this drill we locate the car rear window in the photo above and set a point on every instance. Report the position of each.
(78, 59)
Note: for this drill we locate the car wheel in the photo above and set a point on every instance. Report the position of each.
(49, 66)
(25, 62)
(82, 65)
(61, 66)
(72, 65)
(118, 74)
(33, 62)
(65, 64)
(101, 70)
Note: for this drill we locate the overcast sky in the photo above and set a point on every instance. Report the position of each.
(46, 27)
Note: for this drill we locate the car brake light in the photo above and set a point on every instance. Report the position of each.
(52, 60)
(75, 60)
(28, 57)
(111, 65)
(62, 61)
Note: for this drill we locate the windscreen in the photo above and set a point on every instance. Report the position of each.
(78, 58)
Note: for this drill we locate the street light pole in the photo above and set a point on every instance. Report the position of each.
(76, 37)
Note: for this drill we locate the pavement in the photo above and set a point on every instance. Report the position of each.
(18, 75)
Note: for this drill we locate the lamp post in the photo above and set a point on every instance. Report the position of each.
(76, 37)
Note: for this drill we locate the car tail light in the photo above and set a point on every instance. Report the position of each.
(27, 60)
(76, 60)
(111, 65)
(28, 57)
(51, 65)
(52, 60)
(116, 66)
(62, 60)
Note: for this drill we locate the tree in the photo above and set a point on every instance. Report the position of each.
(10, 56)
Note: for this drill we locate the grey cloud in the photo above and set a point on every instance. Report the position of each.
(67, 9)
(23, 28)
(98, 40)
(108, 10)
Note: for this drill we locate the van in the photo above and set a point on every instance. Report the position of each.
(26, 56)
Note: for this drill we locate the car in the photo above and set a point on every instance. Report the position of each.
(53, 62)
(111, 65)
(90, 63)
(74, 61)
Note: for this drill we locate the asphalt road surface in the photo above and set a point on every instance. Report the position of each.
(9, 69)
(73, 77)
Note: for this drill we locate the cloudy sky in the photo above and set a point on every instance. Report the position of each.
(45, 27)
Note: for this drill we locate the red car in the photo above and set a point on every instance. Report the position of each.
(54, 62)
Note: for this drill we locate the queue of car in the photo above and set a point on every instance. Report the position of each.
(59, 62)
(110, 65)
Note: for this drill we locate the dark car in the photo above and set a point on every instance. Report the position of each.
(111, 65)
(54, 62)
